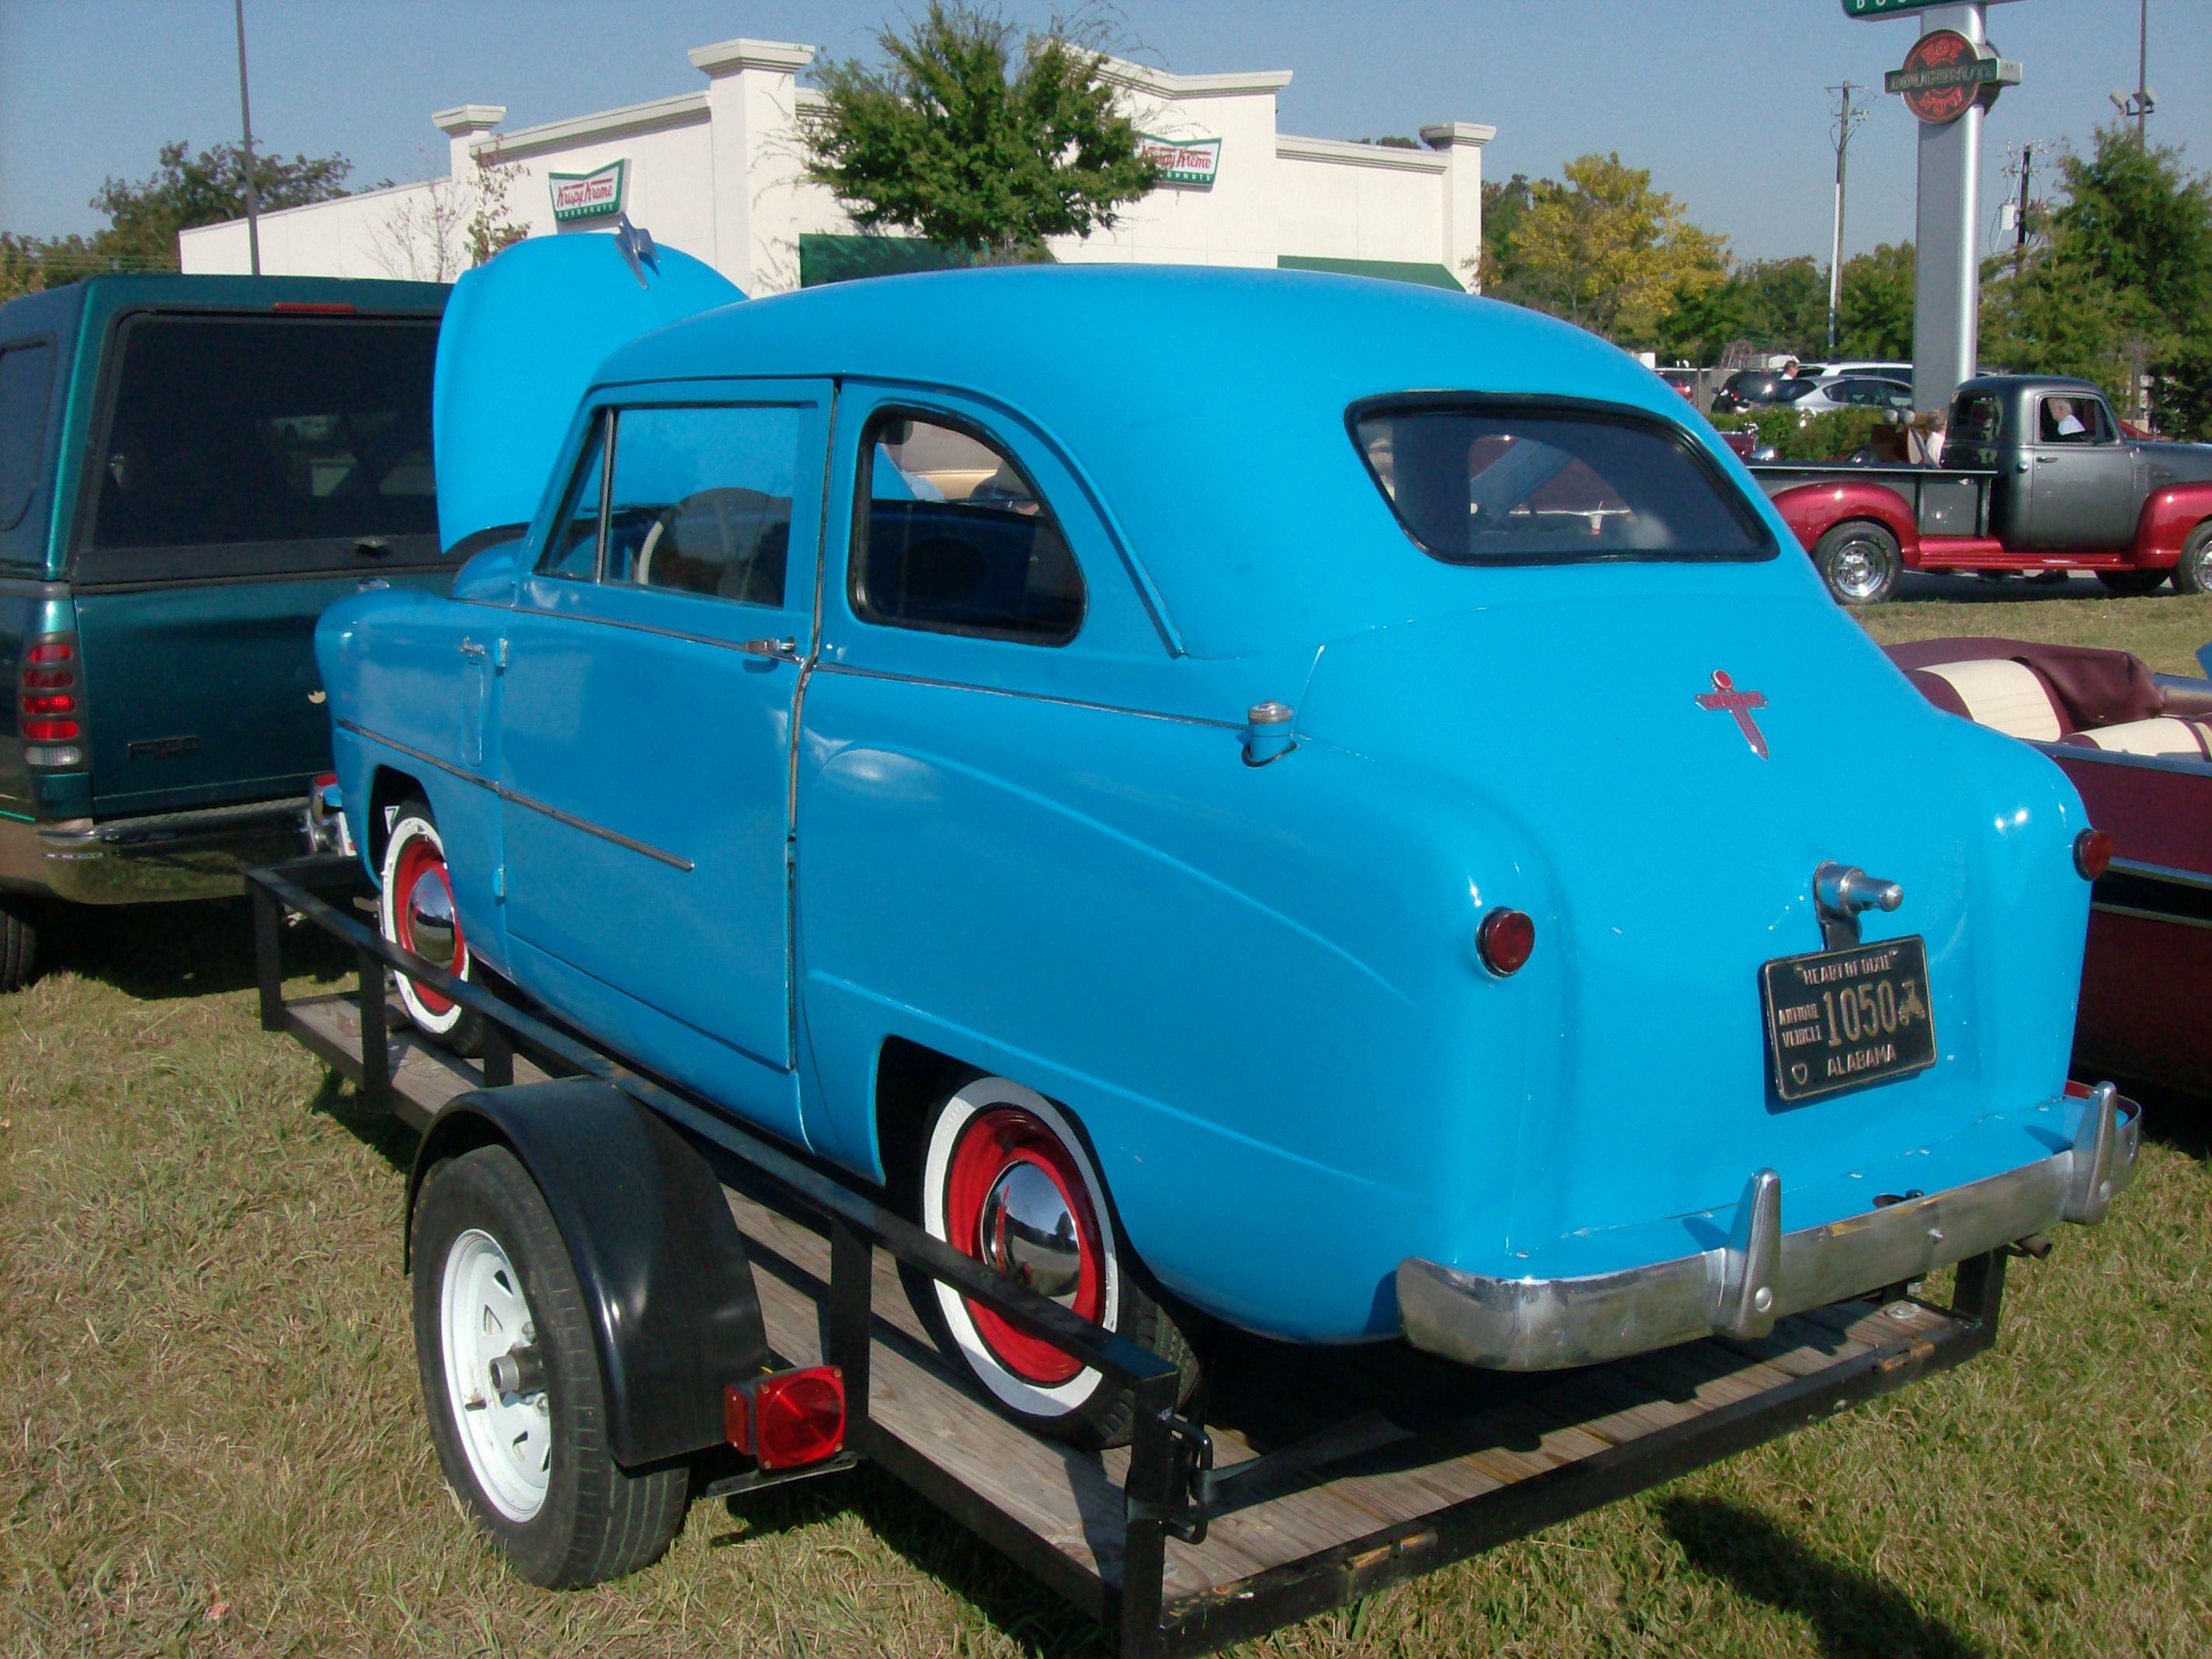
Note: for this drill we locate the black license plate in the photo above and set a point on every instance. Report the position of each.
(1839, 1020)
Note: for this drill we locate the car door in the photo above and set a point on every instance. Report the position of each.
(2080, 484)
(645, 722)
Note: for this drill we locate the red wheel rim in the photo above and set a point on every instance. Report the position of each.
(991, 1142)
(417, 859)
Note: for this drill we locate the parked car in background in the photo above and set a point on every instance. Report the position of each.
(190, 469)
(1826, 397)
(1872, 368)
(2138, 746)
(1750, 388)
(2035, 477)
(868, 733)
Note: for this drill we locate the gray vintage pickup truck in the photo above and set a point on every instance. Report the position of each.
(2037, 475)
(190, 469)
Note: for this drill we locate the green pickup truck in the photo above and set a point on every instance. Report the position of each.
(190, 469)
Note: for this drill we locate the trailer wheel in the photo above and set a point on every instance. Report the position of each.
(19, 949)
(1859, 561)
(415, 912)
(2193, 574)
(1006, 1179)
(511, 1378)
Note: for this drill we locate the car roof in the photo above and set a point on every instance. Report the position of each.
(1207, 408)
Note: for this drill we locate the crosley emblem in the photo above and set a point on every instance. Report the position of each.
(1739, 704)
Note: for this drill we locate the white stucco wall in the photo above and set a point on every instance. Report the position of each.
(716, 172)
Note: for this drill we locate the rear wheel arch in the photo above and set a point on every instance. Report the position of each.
(388, 788)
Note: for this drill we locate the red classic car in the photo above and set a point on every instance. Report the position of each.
(2138, 746)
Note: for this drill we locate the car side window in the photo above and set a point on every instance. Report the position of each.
(573, 550)
(700, 500)
(2072, 419)
(951, 537)
(27, 373)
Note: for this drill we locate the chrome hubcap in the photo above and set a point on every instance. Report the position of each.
(430, 929)
(1857, 571)
(1028, 1233)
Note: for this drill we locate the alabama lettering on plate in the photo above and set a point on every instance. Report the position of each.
(1837, 1019)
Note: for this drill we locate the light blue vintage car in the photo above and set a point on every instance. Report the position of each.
(1317, 803)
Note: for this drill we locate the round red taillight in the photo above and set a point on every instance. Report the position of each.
(1506, 939)
(2093, 854)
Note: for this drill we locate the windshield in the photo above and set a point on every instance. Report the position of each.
(1507, 485)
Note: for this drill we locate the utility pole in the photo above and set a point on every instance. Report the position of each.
(2142, 102)
(1847, 121)
(246, 120)
(2026, 168)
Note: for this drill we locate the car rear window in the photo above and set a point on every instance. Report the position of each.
(1504, 484)
(26, 375)
(1975, 418)
(228, 430)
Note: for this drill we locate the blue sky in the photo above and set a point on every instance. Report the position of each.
(1722, 99)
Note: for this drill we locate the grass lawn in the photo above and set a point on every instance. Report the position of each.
(211, 1441)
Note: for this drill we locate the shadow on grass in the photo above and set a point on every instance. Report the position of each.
(1852, 1614)
(154, 953)
(1016, 1604)
(382, 1133)
(2180, 1121)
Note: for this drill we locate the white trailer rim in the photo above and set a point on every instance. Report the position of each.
(482, 1314)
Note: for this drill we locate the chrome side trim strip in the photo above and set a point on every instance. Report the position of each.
(1029, 696)
(2154, 892)
(1546, 1324)
(554, 813)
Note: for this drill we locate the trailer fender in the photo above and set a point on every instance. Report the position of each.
(1811, 510)
(2166, 519)
(663, 1269)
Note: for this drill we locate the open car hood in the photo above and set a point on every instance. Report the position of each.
(522, 338)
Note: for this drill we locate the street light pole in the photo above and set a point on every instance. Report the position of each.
(246, 120)
(1847, 123)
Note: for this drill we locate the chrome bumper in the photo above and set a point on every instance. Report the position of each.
(1763, 1273)
(160, 855)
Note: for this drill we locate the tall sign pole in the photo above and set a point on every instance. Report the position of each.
(246, 120)
(1949, 78)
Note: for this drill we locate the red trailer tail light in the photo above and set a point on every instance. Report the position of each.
(789, 1420)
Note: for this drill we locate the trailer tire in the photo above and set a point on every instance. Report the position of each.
(535, 1464)
(1859, 561)
(19, 948)
(984, 1131)
(414, 882)
(2135, 584)
(2193, 573)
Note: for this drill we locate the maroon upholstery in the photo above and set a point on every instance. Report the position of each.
(1940, 691)
(2093, 687)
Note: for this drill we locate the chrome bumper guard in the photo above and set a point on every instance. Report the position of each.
(1762, 1273)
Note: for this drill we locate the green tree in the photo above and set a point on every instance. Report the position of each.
(983, 140)
(1874, 312)
(1605, 249)
(185, 191)
(2123, 288)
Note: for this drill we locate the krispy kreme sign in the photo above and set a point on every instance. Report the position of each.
(1945, 74)
(1183, 161)
(595, 195)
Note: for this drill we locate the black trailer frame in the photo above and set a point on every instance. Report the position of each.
(1447, 1487)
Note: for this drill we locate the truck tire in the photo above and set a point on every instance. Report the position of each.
(414, 911)
(19, 948)
(993, 1147)
(2134, 584)
(2193, 574)
(1859, 561)
(493, 1282)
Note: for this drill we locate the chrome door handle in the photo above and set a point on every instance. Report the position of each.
(2045, 460)
(778, 650)
(470, 648)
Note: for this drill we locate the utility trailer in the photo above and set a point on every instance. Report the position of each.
(1301, 1480)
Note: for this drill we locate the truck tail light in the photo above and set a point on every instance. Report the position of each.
(788, 1420)
(1506, 938)
(48, 706)
(2093, 854)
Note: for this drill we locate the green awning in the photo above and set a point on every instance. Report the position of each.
(1390, 270)
(824, 259)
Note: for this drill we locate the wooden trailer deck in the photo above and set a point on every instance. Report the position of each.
(1337, 1471)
